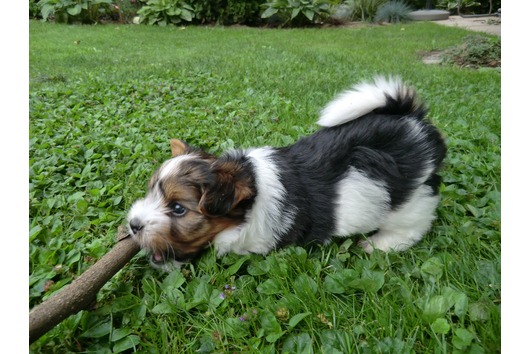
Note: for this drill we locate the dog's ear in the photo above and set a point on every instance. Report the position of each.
(233, 190)
(178, 147)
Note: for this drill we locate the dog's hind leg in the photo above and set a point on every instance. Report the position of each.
(405, 226)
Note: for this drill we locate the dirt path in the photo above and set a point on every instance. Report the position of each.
(487, 24)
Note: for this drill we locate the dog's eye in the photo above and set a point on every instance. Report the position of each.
(177, 209)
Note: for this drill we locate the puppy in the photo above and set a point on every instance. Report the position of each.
(372, 167)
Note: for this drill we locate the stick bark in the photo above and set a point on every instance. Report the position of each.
(81, 293)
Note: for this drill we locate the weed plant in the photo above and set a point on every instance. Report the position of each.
(104, 103)
(475, 51)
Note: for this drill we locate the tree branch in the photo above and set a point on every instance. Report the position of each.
(81, 293)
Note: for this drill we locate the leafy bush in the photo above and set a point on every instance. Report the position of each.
(227, 12)
(364, 10)
(126, 10)
(393, 12)
(34, 9)
(296, 12)
(68, 11)
(475, 51)
(453, 5)
(164, 12)
(470, 6)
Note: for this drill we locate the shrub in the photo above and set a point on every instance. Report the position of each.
(475, 51)
(227, 12)
(393, 12)
(126, 10)
(340, 13)
(68, 11)
(34, 9)
(296, 12)
(453, 5)
(164, 12)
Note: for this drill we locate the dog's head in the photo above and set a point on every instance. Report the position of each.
(191, 198)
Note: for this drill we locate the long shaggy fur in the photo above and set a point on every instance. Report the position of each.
(371, 167)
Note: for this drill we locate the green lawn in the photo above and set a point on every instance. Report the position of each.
(104, 102)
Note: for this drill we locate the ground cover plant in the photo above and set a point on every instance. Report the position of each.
(476, 51)
(104, 102)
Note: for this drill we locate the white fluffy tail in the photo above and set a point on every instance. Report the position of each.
(363, 98)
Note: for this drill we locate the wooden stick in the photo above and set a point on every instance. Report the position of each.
(81, 293)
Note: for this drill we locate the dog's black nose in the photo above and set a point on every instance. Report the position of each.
(136, 225)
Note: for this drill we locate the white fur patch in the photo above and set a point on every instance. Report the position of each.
(172, 164)
(360, 100)
(269, 217)
(362, 204)
(151, 213)
(406, 226)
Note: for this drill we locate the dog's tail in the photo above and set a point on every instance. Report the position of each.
(383, 95)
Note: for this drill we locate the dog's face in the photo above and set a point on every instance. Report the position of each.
(191, 198)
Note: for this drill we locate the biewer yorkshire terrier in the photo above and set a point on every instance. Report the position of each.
(371, 168)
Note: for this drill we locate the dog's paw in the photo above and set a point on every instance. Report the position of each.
(366, 245)
(388, 242)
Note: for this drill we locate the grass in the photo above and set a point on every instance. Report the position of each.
(104, 102)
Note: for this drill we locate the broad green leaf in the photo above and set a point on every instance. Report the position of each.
(82, 206)
(34, 232)
(436, 307)
(476, 212)
(392, 345)
(198, 292)
(233, 269)
(120, 333)
(235, 328)
(207, 345)
(163, 308)
(174, 280)
(440, 326)
(215, 298)
(273, 337)
(461, 306)
(258, 268)
(337, 283)
(462, 338)
(297, 318)
(432, 269)
(187, 15)
(371, 281)
(46, 11)
(75, 197)
(126, 343)
(74, 11)
(270, 11)
(270, 287)
(99, 330)
(278, 266)
(295, 12)
(309, 14)
(271, 327)
(478, 311)
(298, 343)
(305, 285)
(338, 341)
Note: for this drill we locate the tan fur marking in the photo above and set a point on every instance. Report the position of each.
(178, 147)
(231, 187)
